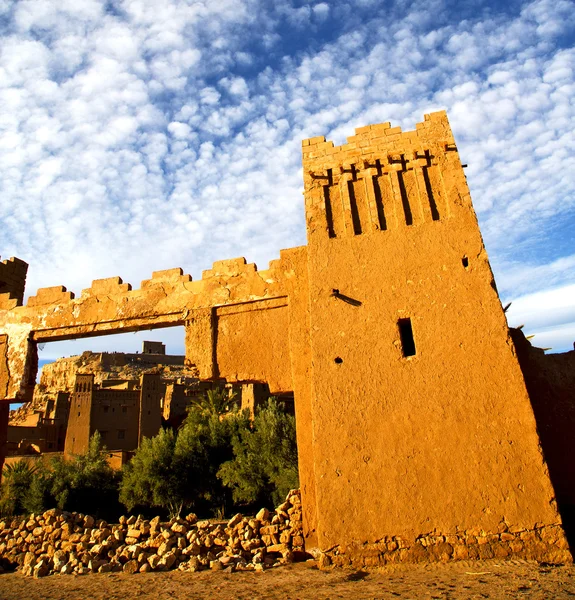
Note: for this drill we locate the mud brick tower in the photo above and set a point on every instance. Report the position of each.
(421, 421)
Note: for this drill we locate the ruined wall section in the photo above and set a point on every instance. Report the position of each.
(12, 282)
(169, 298)
(421, 421)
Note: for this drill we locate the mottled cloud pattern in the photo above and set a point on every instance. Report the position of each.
(137, 135)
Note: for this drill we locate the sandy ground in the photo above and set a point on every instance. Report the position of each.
(486, 579)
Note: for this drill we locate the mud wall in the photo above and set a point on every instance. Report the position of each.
(550, 380)
(421, 420)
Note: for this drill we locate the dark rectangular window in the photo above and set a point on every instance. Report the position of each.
(121, 434)
(406, 334)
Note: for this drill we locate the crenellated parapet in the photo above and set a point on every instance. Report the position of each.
(12, 282)
(382, 179)
(57, 294)
(168, 298)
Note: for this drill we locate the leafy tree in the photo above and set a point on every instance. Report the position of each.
(264, 467)
(86, 483)
(173, 471)
(153, 478)
(16, 481)
(216, 402)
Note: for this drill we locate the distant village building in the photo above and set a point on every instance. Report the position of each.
(122, 416)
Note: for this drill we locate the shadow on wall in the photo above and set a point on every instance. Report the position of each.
(550, 381)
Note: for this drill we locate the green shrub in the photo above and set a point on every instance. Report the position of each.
(85, 483)
(16, 481)
(264, 467)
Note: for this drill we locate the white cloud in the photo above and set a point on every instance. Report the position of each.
(140, 139)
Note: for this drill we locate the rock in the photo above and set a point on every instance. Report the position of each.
(145, 568)
(216, 565)
(263, 515)
(41, 569)
(60, 559)
(194, 564)
(153, 561)
(105, 568)
(134, 533)
(164, 548)
(89, 521)
(324, 561)
(131, 567)
(67, 569)
(167, 561)
(119, 535)
(179, 528)
(235, 520)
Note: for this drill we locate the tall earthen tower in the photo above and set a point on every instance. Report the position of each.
(420, 418)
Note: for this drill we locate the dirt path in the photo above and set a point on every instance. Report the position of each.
(487, 579)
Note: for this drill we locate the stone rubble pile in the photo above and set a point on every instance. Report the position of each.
(66, 543)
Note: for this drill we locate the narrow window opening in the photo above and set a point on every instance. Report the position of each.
(404, 200)
(465, 262)
(430, 196)
(327, 200)
(338, 360)
(406, 335)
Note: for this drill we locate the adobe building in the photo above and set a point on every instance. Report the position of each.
(41, 431)
(123, 417)
(416, 436)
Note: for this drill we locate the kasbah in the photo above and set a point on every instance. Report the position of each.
(426, 426)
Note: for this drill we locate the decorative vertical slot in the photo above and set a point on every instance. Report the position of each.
(355, 220)
(429, 190)
(328, 208)
(406, 335)
(379, 199)
(404, 198)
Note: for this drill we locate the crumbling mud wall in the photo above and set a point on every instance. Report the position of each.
(413, 422)
(12, 282)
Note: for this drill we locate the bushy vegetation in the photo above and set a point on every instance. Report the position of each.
(217, 461)
(84, 484)
(264, 467)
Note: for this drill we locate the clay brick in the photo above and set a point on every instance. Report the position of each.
(110, 285)
(50, 295)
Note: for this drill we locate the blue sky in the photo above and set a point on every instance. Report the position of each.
(137, 135)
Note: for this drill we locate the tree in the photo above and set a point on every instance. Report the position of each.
(216, 402)
(86, 483)
(264, 467)
(153, 476)
(16, 481)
